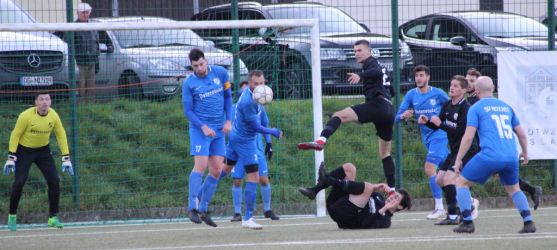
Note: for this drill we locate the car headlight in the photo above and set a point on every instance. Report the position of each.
(405, 50)
(509, 48)
(333, 54)
(165, 65)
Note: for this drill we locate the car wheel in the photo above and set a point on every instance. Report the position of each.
(128, 87)
(295, 82)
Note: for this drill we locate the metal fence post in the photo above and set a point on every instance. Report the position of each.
(551, 46)
(235, 46)
(396, 82)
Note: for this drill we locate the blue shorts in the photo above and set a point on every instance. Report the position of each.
(201, 145)
(244, 151)
(437, 151)
(480, 168)
(238, 172)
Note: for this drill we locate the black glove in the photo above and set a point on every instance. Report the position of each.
(269, 150)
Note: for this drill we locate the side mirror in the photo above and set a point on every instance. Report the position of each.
(103, 47)
(365, 27)
(458, 40)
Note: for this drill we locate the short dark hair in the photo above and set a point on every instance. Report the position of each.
(420, 68)
(461, 80)
(406, 201)
(362, 42)
(196, 54)
(255, 72)
(473, 72)
(243, 83)
(42, 92)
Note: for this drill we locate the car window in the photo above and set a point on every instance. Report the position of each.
(416, 30)
(250, 15)
(154, 38)
(444, 29)
(11, 13)
(508, 26)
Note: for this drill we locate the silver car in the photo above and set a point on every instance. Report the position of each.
(151, 63)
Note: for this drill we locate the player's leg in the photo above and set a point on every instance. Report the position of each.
(24, 160)
(238, 175)
(216, 161)
(339, 117)
(346, 171)
(535, 192)
(436, 154)
(265, 186)
(383, 116)
(250, 196)
(199, 149)
(387, 161)
(447, 180)
(45, 162)
(509, 178)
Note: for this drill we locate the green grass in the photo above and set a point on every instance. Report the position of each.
(135, 154)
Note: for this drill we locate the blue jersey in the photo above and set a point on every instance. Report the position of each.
(259, 138)
(428, 104)
(207, 95)
(246, 112)
(495, 121)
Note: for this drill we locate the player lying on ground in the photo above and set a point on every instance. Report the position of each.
(357, 205)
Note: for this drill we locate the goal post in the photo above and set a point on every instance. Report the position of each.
(313, 24)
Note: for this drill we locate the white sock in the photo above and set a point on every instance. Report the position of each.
(453, 216)
(321, 138)
(439, 204)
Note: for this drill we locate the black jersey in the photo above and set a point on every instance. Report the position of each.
(372, 77)
(372, 218)
(472, 99)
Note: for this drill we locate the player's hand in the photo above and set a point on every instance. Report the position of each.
(277, 133)
(67, 165)
(269, 150)
(383, 187)
(435, 120)
(457, 166)
(10, 164)
(227, 127)
(524, 158)
(353, 78)
(407, 114)
(423, 119)
(208, 131)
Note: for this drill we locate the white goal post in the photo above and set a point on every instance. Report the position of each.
(283, 23)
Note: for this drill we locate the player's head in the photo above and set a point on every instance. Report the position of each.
(472, 76)
(43, 102)
(83, 11)
(255, 78)
(362, 50)
(401, 200)
(484, 87)
(198, 62)
(421, 76)
(459, 86)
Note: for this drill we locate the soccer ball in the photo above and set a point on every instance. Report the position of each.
(263, 95)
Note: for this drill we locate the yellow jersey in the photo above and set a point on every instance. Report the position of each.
(33, 130)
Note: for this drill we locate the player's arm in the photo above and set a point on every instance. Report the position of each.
(187, 103)
(61, 135)
(523, 141)
(19, 129)
(373, 72)
(250, 112)
(265, 123)
(404, 106)
(465, 144)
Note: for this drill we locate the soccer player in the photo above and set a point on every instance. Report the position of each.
(242, 144)
(357, 205)
(207, 101)
(427, 100)
(495, 122)
(471, 76)
(377, 109)
(29, 143)
(238, 172)
(452, 119)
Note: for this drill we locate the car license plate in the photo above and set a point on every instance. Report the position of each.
(388, 66)
(36, 81)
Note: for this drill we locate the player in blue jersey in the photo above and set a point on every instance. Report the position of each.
(427, 100)
(207, 101)
(495, 122)
(242, 144)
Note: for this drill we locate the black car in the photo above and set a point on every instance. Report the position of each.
(450, 43)
(289, 49)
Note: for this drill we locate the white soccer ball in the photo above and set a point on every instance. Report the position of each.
(263, 94)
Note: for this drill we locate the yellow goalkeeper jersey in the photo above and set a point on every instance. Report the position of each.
(33, 130)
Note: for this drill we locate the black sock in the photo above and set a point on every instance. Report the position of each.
(450, 198)
(338, 173)
(331, 126)
(351, 187)
(389, 170)
(526, 187)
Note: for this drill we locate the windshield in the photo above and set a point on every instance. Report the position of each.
(11, 13)
(507, 26)
(156, 38)
(331, 20)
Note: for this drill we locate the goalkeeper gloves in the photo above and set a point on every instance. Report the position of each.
(67, 165)
(10, 164)
(269, 150)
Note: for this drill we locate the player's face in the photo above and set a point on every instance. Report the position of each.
(199, 67)
(456, 90)
(362, 52)
(471, 83)
(422, 79)
(43, 102)
(394, 200)
(83, 15)
(255, 81)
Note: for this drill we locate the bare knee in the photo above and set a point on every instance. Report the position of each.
(264, 180)
(349, 170)
(237, 182)
(440, 179)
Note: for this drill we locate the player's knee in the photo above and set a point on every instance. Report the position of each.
(237, 182)
(264, 180)
(349, 170)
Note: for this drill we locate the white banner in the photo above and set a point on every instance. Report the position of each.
(528, 82)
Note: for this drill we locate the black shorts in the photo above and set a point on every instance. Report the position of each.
(380, 111)
(451, 158)
(342, 211)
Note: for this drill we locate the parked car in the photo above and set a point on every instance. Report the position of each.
(450, 43)
(29, 60)
(151, 63)
(291, 47)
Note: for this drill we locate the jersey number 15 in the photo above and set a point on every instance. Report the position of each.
(505, 130)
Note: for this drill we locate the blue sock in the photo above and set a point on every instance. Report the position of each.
(521, 203)
(203, 187)
(237, 199)
(194, 187)
(266, 197)
(435, 189)
(222, 175)
(250, 196)
(464, 202)
(207, 193)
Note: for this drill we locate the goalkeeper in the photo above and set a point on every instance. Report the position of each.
(29, 143)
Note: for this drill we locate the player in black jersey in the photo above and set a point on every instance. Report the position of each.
(377, 109)
(357, 205)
